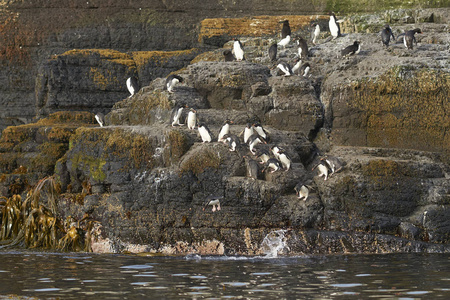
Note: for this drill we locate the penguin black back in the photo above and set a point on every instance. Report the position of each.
(302, 47)
(228, 55)
(410, 39)
(352, 49)
(286, 30)
(273, 52)
(386, 34)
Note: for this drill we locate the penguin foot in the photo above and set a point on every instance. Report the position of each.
(214, 208)
(218, 206)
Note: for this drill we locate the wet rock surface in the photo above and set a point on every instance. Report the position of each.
(382, 112)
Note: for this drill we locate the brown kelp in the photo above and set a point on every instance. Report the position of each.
(34, 222)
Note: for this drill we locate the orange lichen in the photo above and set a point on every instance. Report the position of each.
(252, 26)
(158, 58)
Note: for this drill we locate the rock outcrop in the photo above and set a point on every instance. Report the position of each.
(383, 113)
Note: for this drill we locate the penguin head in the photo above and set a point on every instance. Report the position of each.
(228, 121)
(417, 30)
(285, 22)
(193, 109)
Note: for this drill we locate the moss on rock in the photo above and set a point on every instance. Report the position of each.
(405, 108)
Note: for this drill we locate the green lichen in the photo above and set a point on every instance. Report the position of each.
(92, 164)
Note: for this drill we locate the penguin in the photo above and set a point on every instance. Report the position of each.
(238, 50)
(205, 133)
(351, 50)
(303, 51)
(297, 64)
(323, 171)
(273, 52)
(285, 68)
(275, 151)
(286, 29)
(386, 34)
(302, 191)
(232, 141)
(248, 131)
(192, 118)
(263, 154)
(283, 43)
(260, 130)
(273, 164)
(333, 163)
(173, 80)
(254, 140)
(177, 111)
(213, 201)
(132, 85)
(335, 29)
(315, 31)
(224, 130)
(284, 159)
(304, 70)
(409, 38)
(252, 168)
(228, 55)
(100, 119)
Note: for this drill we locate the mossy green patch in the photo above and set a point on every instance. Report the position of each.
(89, 163)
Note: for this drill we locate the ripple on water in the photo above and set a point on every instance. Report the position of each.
(261, 273)
(236, 284)
(346, 285)
(47, 290)
(137, 267)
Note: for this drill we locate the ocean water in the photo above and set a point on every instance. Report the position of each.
(108, 276)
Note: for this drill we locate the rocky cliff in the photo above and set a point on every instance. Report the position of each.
(383, 112)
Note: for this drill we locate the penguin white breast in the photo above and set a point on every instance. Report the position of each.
(317, 30)
(192, 118)
(323, 169)
(284, 69)
(238, 51)
(204, 134)
(130, 86)
(306, 72)
(285, 161)
(296, 66)
(214, 202)
(261, 132)
(99, 120)
(247, 133)
(225, 130)
(333, 27)
(285, 41)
